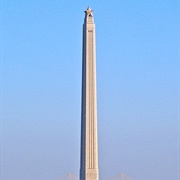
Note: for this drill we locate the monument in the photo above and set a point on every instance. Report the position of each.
(89, 141)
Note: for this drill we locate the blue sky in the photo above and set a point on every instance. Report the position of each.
(137, 86)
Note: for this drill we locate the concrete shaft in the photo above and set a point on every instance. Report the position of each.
(89, 140)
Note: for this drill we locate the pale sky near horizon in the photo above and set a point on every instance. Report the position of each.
(137, 87)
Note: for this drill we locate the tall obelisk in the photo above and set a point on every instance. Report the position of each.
(89, 140)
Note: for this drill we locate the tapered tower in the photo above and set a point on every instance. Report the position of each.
(89, 139)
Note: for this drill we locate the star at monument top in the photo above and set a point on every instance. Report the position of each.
(89, 12)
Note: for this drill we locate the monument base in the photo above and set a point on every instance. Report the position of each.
(90, 174)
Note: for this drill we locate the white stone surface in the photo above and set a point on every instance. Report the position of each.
(89, 141)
